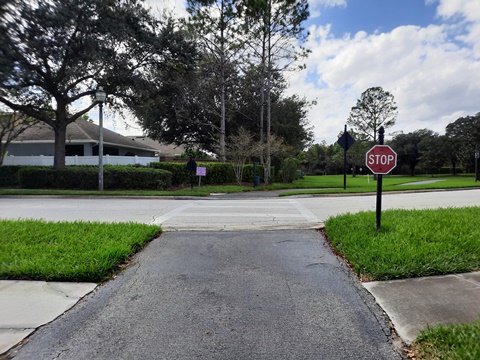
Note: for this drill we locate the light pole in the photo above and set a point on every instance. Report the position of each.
(100, 95)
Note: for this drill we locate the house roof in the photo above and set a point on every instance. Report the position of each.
(163, 149)
(80, 131)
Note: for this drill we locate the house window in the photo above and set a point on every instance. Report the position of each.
(72, 150)
(107, 150)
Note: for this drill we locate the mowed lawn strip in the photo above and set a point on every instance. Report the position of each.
(318, 184)
(411, 243)
(454, 342)
(68, 251)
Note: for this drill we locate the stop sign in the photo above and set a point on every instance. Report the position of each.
(381, 159)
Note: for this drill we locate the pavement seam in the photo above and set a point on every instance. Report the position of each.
(467, 280)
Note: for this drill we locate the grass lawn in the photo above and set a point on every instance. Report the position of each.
(333, 184)
(411, 243)
(453, 342)
(330, 184)
(68, 251)
(415, 243)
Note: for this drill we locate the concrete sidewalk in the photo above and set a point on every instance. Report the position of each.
(27, 305)
(411, 304)
(414, 304)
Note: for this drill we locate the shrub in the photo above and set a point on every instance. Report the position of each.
(86, 178)
(290, 168)
(217, 173)
(179, 171)
(9, 175)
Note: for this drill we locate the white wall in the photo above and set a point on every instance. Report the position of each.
(79, 160)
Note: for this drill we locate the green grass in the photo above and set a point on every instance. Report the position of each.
(411, 243)
(203, 190)
(333, 184)
(330, 184)
(68, 251)
(452, 342)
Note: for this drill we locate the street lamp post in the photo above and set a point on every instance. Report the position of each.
(100, 95)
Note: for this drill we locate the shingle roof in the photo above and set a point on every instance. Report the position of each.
(79, 131)
(163, 149)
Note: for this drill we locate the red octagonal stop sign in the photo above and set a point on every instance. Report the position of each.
(381, 159)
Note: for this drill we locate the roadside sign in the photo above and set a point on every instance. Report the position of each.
(381, 159)
(201, 171)
(346, 140)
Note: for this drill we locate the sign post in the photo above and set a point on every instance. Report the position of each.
(201, 171)
(345, 141)
(380, 159)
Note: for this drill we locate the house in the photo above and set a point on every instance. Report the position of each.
(81, 140)
(165, 151)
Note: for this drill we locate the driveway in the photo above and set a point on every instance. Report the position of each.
(223, 295)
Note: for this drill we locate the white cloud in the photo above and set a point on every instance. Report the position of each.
(433, 79)
(177, 7)
(432, 71)
(316, 5)
(464, 13)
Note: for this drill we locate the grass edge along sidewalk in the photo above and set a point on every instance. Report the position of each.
(310, 184)
(415, 243)
(68, 251)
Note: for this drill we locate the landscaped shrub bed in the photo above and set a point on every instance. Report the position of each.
(86, 178)
(217, 173)
(9, 175)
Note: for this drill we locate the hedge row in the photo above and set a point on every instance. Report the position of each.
(86, 178)
(217, 173)
(154, 177)
(9, 175)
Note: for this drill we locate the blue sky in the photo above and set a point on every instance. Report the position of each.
(425, 52)
(373, 15)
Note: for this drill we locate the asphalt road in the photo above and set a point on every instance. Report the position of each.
(223, 212)
(223, 295)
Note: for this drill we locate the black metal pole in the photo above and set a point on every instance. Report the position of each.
(381, 133)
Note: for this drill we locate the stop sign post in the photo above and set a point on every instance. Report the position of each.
(381, 159)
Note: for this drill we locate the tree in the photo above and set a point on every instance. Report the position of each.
(55, 53)
(216, 24)
(324, 159)
(239, 148)
(356, 154)
(288, 113)
(375, 108)
(289, 121)
(276, 29)
(11, 126)
(408, 149)
(433, 153)
(464, 134)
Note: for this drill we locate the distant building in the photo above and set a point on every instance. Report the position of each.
(81, 139)
(164, 151)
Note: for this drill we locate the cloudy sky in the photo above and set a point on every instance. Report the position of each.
(425, 52)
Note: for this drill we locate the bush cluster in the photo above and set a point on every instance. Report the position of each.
(86, 178)
(217, 173)
(9, 175)
(157, 176)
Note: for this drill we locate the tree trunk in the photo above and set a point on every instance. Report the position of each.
(268, 97)
(262, 98)
(60, 130)
(222, 121)
(60, 139)
(222, 85)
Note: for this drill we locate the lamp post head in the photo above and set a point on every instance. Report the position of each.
(100, 95)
